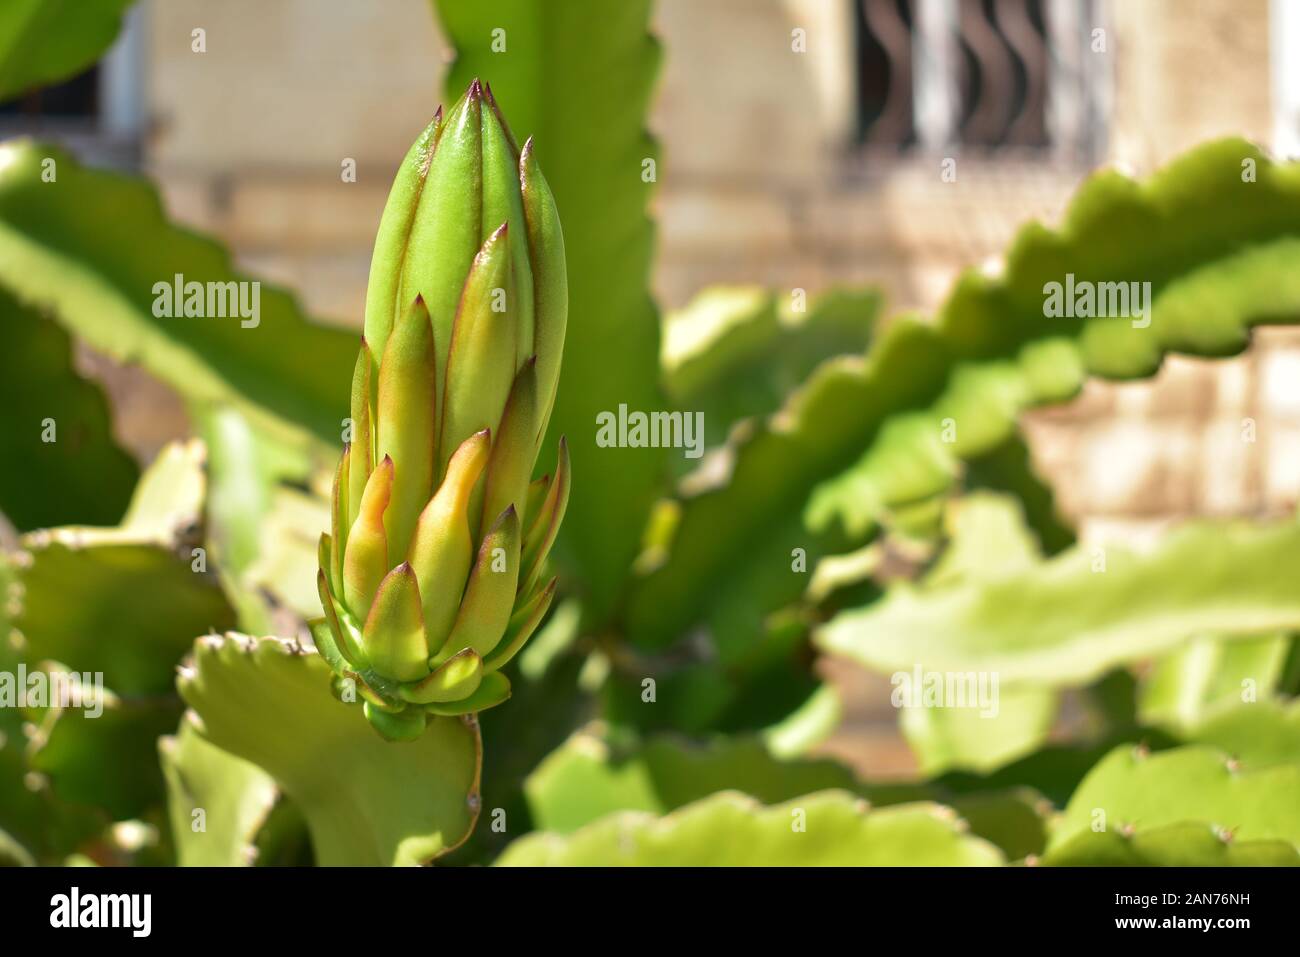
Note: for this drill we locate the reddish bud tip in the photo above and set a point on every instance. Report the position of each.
(475, 89)
(500, 231)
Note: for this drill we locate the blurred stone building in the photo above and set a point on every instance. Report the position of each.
(804, 145)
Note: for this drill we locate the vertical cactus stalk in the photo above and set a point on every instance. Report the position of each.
(432, 574)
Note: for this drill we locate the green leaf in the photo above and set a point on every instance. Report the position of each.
(286, 565)
(734, 352)
(774, 470)
(862, 435)
(1062, 622)
(79, 608)
(45, 41)
(920, 454)
(827, 829)
(806, 726)
(246, 466)
(590, 776)
(1198, 213)
(234, 796)
(106, 759)
(988, 539)
(1054, 770)
(578, 77)
(83, 607)
(93, 245)
(975, 740)
(82, 588)
(1008, 469)
(1135, 788)
(768, 501)
(1175, 845)
(1017, 820)
(366, 801)
(1208, 673)
(32, 817)
(596, 773)
(283, 839)
(82, 476)
(1257, 734)
(741, 674)
(263, 531)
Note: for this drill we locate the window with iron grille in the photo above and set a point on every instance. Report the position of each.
(1023, 75)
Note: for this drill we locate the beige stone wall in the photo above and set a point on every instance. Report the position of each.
(1188, 71)
(238, 139)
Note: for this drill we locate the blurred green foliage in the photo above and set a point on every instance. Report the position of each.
(866, 492)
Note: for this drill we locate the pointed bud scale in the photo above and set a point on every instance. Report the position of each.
(481, 363)
(362, 462)
(503, 203)
(322, 636)
(491, 102)
(405, 423)
(490, 594)
(438, 541)
(325, 558)
(346, 636)
(550, 278)
(405, 725)
(456, 678)
(448, 227)
(339, 521)
(365, 559)
(536, 495)
(511, 464)
(394, 630)
(542, 534)
(394, 233)
(522, 625)
(492, 691)
(443, 547)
